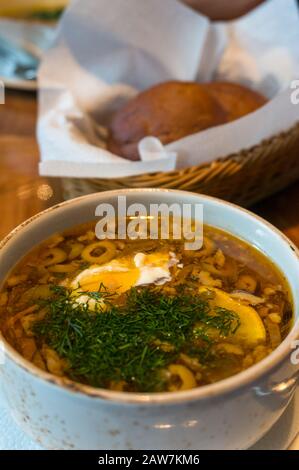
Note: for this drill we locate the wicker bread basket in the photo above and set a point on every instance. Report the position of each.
(244, 178)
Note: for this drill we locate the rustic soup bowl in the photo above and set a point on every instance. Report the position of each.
(231, 414)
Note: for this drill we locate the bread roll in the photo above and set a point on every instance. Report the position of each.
(173, 110)
(169, 111)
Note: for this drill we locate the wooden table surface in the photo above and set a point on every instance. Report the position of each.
(23, 193)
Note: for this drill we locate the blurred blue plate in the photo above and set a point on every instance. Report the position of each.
(22, 45)
(18, 67)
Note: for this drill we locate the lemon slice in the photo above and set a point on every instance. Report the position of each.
(251, 330)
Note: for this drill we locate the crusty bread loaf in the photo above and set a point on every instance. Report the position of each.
(169, 111)
(173, 110)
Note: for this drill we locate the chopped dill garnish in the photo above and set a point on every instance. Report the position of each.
(120, 340)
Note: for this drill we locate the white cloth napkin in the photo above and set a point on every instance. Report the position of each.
(107, 51)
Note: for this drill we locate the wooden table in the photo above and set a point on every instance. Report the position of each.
(23, 193)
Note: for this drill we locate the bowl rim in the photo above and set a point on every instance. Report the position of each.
(231, 384)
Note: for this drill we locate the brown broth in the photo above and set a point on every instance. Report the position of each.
(226, 272)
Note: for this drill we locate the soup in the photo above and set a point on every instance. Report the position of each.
(144, 315)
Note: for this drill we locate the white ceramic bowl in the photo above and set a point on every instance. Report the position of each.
(231, 414)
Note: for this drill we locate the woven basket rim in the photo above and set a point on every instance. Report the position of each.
(239, 157)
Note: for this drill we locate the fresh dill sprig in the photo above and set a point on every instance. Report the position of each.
(122, 342)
